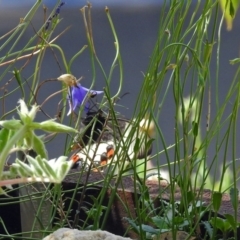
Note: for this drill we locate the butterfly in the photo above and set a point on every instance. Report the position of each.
(104, 138)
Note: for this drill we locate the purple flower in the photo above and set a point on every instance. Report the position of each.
(59, 8)
(57, 12)
(76, 96)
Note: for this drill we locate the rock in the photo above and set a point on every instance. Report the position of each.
(74, 234)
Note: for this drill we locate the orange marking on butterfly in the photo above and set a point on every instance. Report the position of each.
(110, 153)
(75, 158)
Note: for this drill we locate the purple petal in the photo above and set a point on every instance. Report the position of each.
(77, 96)
(54, 15)
(59, 7)
(93, 91)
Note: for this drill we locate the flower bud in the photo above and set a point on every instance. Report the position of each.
(11, 124)
(68, 79)
(51, 126)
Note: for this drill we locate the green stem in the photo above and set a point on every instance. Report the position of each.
(74, 57)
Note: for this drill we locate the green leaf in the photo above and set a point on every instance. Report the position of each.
(149, 229)
(39, 147)
(4, 135)
(217, 200)
(132, 224)
(35, 125)
(41, 164)
(13, 171)
(208, 52)
(195, 128)
(231, 220)
(208, 228)
(136, 145)
(63, 168)
(160, 222)
(221, 224)
(218, 223)
(38, 171)
(11, 124)
(49, 170)
(29, 138)
(51, 126)
(234, 61)
(231, 9)
(191, 196)
(178, 220)
(234, 198)
(21, 172)
(25, 168)
(227, 226)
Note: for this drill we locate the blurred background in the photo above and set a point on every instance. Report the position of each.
(136, 23)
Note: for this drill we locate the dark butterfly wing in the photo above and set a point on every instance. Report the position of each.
(93, 125)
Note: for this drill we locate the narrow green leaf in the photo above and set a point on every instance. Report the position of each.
(136, 145)
(178, 220)
(35, 125)
(160, 222)
(62, 171)
(234, 198)
(20, 170)
(63, 167)
(29, 138)
(132, 224)
(51, 126)
(13, 170)
(234, 61)
(227, 226)
(217, 200)
(231, 9)
(208, 52)
(39, 146)
(4, 134)
(49, 171)
(231, 220)
(191, 196)
(195, 128)
(11, 124)
(38, 171)
(150, 229)
(41, 164)
(208, 228)
(218, 223)
(24, 168)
